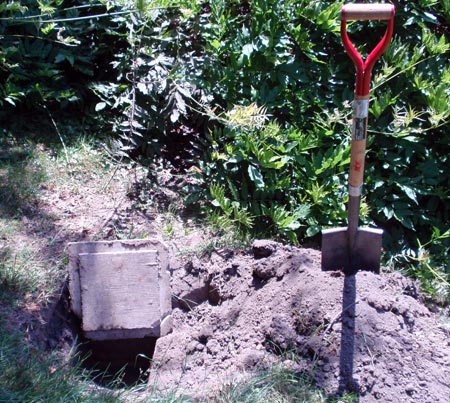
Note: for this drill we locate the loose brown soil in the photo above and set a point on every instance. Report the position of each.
(237, 311)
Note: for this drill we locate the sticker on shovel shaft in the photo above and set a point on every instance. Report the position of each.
(360, 108)
(359, 128)
(358, 166)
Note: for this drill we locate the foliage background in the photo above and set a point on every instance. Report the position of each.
(253, 100)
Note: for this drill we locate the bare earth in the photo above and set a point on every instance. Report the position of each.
(237, 311)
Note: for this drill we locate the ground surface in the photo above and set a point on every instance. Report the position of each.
(238, 311)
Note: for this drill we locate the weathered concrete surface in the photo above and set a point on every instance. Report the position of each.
(120, 289)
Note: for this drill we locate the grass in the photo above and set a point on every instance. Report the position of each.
(279, 385)
(24, 272)
(25, 168)
(28, 375)
(21, 175)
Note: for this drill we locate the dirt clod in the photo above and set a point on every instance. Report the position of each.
(263, 248)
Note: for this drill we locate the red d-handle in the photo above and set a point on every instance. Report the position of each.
(366, 12)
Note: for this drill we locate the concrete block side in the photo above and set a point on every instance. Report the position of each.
(119, 290)
(74, 279)
(164, 281)
(120, 334)
(161, 322)
(75, 248)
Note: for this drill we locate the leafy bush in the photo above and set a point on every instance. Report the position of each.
(264, 178)
(51, 53)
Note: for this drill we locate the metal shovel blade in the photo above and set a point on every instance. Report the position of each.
(364, 254)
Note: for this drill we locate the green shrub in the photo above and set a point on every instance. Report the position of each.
(51, 53)
(273, 181)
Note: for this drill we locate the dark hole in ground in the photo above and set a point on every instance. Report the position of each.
(111, 363)
(117, 363)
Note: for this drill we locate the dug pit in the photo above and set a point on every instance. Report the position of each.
(111, 363)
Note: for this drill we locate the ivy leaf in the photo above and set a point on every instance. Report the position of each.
(60, 57)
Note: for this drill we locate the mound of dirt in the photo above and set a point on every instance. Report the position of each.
(236, 312)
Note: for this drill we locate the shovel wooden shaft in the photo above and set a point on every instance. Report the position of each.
(358, 148)
(357, 162)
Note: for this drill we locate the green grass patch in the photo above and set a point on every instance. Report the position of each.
(21, 175)
(25, 169)
(278, 385)
(24, 272)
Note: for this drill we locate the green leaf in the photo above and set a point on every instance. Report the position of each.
(100, 106)
(313, 230)
(256, 176)
(409, 192)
